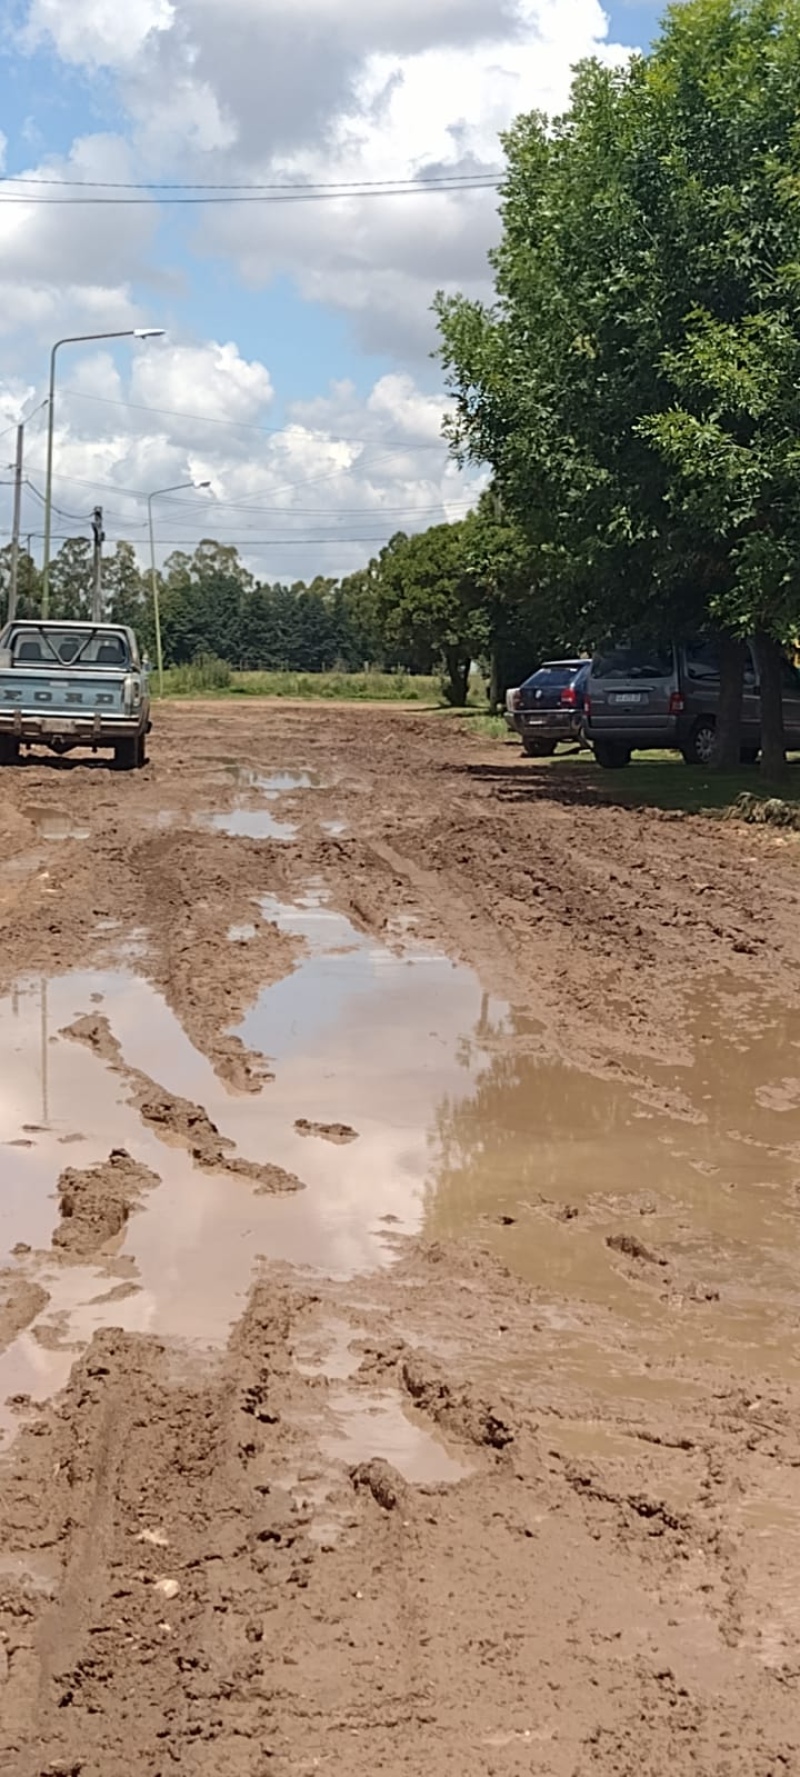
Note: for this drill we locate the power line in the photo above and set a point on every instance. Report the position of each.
(208, 419)
(287, 488)
(370, 512)
(266, 197)
(304, 188)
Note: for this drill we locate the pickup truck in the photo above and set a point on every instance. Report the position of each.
(67, 685)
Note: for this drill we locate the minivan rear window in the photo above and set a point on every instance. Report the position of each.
(639, 660)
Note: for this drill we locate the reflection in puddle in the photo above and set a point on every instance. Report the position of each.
(259, 823)
(379, 1427)
(55, 824)
(460, 1130)
(276, 783)
(248, 823)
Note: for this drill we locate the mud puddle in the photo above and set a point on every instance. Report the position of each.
(260, 822)
(685, 1225)
(248, 823)
(54, 825)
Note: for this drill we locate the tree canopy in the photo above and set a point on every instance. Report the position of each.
(636, 385)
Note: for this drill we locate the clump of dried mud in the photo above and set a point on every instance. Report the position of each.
(340, 1134)
(21, 1300)
(176, 1119)
(94, 1205)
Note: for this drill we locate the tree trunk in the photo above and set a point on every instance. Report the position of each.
(732, 656)
(496, 691)
(773, 737)
(457, 688)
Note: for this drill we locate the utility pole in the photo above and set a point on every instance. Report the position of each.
(99, 538)
(12, 585)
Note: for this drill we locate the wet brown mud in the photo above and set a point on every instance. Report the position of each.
(479, 1452)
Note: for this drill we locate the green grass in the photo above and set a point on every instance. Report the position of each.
(653, 780)
(215, 679)
(478, 721)
(660, 780)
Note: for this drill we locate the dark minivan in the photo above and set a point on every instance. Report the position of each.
(643, 695)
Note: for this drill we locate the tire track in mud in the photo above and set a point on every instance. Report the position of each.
(213, 1612)
(187, 1580)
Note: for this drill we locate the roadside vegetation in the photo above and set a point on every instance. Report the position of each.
(631, 393)
(209, 677)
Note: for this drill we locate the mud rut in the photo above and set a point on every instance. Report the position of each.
(399, 1291)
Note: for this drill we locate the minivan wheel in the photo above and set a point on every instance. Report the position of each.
(702, 742)
(613, 755)
(538, 749)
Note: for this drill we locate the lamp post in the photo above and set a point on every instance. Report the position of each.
(75, 339)
(179, 488)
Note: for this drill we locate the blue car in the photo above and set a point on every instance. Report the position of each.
(550, 706)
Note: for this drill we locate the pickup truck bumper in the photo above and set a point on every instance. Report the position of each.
(77, 731)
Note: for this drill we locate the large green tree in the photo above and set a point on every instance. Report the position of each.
(635, 386)
(425, 602)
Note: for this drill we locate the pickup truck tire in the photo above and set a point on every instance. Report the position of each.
(9, 750)
(538, 749)
(613, 755)
(129, 753)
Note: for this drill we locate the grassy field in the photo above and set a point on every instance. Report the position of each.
(214, 679)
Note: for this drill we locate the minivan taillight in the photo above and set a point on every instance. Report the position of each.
(569, 697)
(677, 703)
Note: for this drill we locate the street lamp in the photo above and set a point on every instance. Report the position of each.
(76, 339)
(156, 495)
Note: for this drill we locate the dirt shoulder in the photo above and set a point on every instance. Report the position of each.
(430, 1518)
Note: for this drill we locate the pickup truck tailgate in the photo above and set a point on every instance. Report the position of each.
(41, 692)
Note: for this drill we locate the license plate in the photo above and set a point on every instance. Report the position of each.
(627, 697)
(50, 726)
(530, 721)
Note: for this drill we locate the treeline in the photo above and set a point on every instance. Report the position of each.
(430, 603)
(635, 385)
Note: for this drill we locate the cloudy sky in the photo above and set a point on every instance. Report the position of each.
(296, 372)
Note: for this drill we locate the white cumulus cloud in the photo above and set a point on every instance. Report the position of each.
(320, 493)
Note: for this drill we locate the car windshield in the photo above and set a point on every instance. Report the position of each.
(553, 675)
(46, 646)
(640, 660)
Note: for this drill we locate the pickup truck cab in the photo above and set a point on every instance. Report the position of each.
(67, 685)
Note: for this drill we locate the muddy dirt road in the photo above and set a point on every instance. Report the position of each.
(400, 1270)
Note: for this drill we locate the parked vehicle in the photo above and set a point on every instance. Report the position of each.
(66, 685)
(511, 711)
(551, 704)
(644, 695)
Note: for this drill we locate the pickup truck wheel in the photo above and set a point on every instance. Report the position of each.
(9, 750)
(613, 755)
(141, 750)
(538, 749)
(126, 754)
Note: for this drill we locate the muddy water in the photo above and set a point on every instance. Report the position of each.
(248, 822)
(685, 1224)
